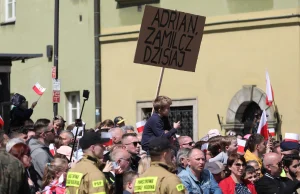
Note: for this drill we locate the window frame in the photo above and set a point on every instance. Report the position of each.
(140, 105)
(13, 18)
(70, 108)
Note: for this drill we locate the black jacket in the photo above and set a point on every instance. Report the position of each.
(155, 127)
(270, 185)
(18, 116)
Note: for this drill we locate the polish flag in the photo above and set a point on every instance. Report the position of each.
(263, 126)
(269, 91)
(52, 149)
(140, 126)
(1, 122)
(241, 145)
(272, 132)
(107, 135)
(54, 184)
(39, 90)
(204, 147)
(291, 137)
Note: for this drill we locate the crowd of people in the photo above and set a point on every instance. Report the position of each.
(36, 158)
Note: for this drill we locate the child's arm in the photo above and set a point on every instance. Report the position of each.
(159, 130)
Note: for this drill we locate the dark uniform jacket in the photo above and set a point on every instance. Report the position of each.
(270, 185)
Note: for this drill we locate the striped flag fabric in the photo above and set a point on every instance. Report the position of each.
(107, 135)
(269, 91)
(38, 89)
(241, 145)
(263, 126)
(140, 126)
(272, 132)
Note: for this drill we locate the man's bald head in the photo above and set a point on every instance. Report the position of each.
(272, 164)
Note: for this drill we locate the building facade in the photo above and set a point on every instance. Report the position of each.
(241, 41)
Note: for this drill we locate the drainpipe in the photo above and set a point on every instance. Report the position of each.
(98, 103)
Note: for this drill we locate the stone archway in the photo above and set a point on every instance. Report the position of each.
(240, 101)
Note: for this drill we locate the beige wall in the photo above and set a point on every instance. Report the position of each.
(32, 32)
(226, 62)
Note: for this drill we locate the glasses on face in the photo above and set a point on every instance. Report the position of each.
(134, 143)
(190, 143)
(239, 164)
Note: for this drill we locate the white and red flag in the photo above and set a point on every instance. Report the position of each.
(272, 132)
(269, 91)
(291, 137)
(39, 90)
(52, 149)
(263, 126)
(204, 147)
(54, 184)
(241, 145)
(1, 122)
(107, 135)
(140, 126)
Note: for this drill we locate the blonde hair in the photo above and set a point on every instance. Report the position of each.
(144, 164)
(56, 166)
(161, 102)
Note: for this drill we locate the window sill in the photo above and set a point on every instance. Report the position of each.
(8, 23)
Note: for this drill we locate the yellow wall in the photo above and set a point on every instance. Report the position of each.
(226, 62)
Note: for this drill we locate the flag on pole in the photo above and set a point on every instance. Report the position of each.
(140, 126)
(263, 126)
(1, 122)
(272, 132)
(39, 90)
(241, 145)
(269, 91)
(107, 135)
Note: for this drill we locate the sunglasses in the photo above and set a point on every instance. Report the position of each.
(135, 143)
(190, 143)
(239, 165)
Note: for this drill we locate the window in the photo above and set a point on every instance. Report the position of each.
(10, 10)
(184, 110)
(73, 106)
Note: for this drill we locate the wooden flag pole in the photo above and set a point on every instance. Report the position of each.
(159, 85)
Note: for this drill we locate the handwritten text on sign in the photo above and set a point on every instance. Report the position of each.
(169, 39)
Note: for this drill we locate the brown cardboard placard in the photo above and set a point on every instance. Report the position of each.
(169, 39)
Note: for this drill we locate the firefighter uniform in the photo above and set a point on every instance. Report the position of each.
(85, 177)
(158, 179)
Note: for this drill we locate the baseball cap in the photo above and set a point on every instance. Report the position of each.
(159, 144)
(119, 120)
(91, 138)
(289, 145)
(213, 167)
(65, 150)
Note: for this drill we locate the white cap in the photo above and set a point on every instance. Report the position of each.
(13, 142)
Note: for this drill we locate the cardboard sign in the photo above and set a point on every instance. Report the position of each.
(56, 97)
(169, 39)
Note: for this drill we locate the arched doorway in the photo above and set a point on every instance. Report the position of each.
(243, 108)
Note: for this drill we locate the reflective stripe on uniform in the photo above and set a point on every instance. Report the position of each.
(100, 193)
(145, 184)
(98, 183)
(74, 179)
(180, 187)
